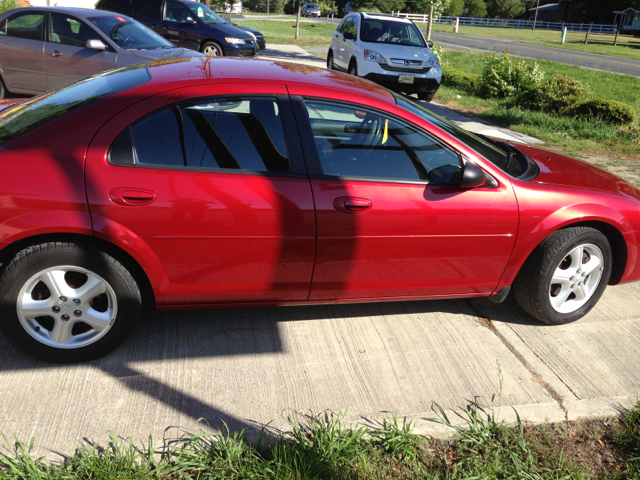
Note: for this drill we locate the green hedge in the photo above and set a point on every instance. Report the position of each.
(609, 111)
(456, 79)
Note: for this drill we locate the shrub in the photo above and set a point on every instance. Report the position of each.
(559, 94)
(505, 76)
(609, 111)
(438, 51)
(454, 78)
(8, 5)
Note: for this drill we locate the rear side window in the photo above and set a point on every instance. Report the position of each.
(25, 116)
(25, 25)
(222, 133)
(146, 8)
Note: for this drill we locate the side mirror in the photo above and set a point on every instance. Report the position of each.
(349, 36)
(430, 43)
(190, 21)
(473, 176)
(96, 44)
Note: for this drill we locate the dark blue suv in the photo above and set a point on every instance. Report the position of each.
(190, 24)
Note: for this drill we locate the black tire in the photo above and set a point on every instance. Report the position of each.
(33, 261)
(212, 49)
(426, 96)
(4, 93)
(534, 289)
(330, 60)
(353, 68)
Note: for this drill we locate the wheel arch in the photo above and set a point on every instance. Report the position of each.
(206, 40)
(120, 254)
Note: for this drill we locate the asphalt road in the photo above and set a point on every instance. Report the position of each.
(572, 57)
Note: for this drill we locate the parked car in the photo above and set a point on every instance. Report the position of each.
(388, 50)
(262, 44)
(192, 183)
(77, 43)
(188, 24)
(311, 10)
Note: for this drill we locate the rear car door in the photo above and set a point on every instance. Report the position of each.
(214, 189)
(22, 52)
(392, 219)
(66, 56)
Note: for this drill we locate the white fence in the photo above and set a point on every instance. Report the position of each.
(503, 22)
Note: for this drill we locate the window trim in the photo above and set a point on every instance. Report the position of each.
(291, 137)
(314, 166)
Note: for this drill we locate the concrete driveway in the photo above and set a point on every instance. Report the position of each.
(249, 367)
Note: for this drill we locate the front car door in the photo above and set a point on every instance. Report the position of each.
(392, 219)
(66, 56)
(339, 43)
(22, 52)
(174, 26)
(213, 189)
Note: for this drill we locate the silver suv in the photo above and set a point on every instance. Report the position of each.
(388, 50)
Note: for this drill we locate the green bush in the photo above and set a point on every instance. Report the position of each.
(559, 94)
(506, 76)
(457, 79)
(438, 51)
(610, 111)
(8, 5)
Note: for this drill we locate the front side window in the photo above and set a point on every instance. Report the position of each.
(129, 34)
(204, 14)
(222, 133)
(25, 25)
(344, 26)
(175, 12)
(69, 31)
(353, 27)
(388, 31)
(357, 142)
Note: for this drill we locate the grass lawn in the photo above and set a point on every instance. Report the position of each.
(279, 32)
(323, 448)
(574, 135)
(628, 46)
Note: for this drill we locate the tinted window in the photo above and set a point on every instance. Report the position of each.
(25, 25)
(175, 12)
(493, 154)
(16, 120)
(128, 33)
(146, 8)
(388, 31)
(234, 133)
(69, 31)
(357, 142)
(204, 14)
(120, 6)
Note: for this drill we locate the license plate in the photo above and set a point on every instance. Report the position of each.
(405, 78)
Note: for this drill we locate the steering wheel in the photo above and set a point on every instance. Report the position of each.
(370, 128)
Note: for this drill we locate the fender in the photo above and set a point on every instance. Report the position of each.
(45, 222)
(530, 236)
(131, 243)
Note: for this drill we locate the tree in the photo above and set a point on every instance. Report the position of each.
(382, 6)
(475, 8)
(455, 8)
(505, 8)
(422, 6)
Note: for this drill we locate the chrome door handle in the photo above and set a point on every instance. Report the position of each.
(56, 53)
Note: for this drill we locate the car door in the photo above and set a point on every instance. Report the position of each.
(215, 193)
(339, 44)
(175, 28)
(348, 45)
(22, 52)
(392, 218)
(149, 13)
(67, 58)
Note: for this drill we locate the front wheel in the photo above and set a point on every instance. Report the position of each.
(67, 302)
(330, 61)
(212, 49)
(565, 275)
(353, 69)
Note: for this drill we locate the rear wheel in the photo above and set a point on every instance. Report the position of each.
(67, 302)
(212, 49)
(565, 276)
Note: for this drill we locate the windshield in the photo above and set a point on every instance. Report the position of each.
(204, 13)
(498, 157)
(27, 115)
(129, 34)
(377, 30)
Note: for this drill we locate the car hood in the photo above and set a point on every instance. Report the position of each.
(229, 30)
(557, 169)
(389, 50)
(165, 53)
(249, 29)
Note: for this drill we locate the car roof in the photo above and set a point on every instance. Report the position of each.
(79, 12)
(384, 16)
(185, 71)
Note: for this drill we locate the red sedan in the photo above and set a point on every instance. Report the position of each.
(236, 182)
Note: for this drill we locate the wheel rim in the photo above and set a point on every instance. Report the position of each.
(352, 71)
(211, 50)
(576, 278)
(67, 307)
